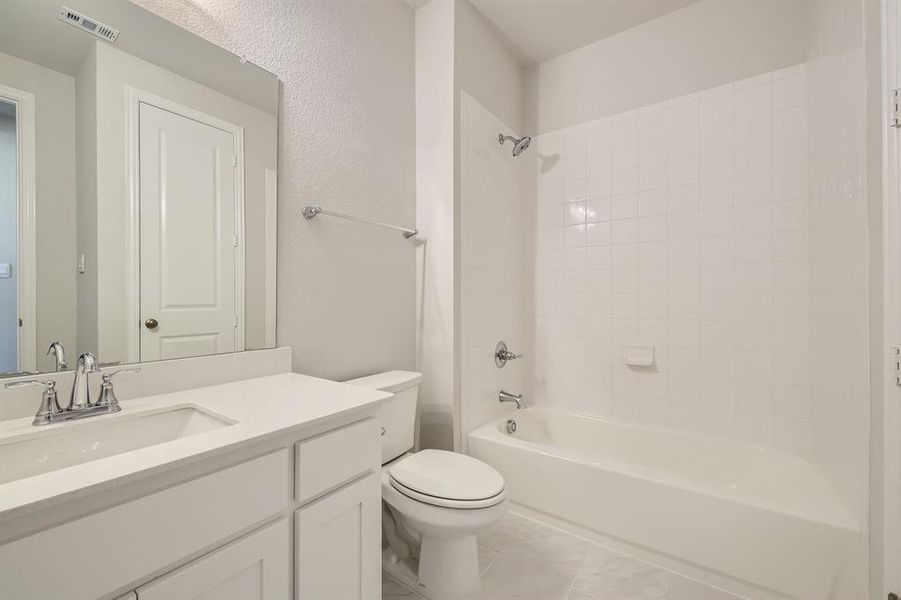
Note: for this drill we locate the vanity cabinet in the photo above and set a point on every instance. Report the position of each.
(294, 516)
(338, 544)
(254, 567)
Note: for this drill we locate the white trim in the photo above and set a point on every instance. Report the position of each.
(134, 98)
(271, 232)
(26, 254)
(891, 35)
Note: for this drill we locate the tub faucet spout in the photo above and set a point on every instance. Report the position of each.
(515, 398)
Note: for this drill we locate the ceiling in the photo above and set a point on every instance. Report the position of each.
(537, 30)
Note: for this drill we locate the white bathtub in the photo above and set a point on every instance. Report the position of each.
(756, 515)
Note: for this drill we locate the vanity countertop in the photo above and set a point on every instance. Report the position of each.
(260, 408)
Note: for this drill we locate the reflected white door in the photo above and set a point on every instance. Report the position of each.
(188, 237)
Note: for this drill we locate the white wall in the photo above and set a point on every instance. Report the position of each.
(9, 291)
(485, 67)
(346, 292)
(700, 46)
(115, 71)
(462, 64)
(839, 199)
(488, 96)
(88, 318)
(491, 264)
(54, 199)
(436, 218)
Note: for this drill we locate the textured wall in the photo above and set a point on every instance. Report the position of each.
(346, 292)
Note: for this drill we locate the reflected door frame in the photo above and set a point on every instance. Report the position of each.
(891, 398)
(26, 261)
(136, 97)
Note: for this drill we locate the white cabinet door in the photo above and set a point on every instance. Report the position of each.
(254, 567)
(338, 544)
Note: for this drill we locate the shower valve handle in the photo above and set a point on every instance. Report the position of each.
(502, 355)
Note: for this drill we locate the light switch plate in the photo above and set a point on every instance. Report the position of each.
(6, 270)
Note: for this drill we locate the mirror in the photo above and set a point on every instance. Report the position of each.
(137, 189)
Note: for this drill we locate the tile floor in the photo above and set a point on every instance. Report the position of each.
(522, 559)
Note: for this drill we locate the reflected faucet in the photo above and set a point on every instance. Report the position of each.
(81, 392)
(59, 353)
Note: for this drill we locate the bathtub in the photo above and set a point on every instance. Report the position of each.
(755, 515)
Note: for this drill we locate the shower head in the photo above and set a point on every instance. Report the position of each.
(519, 145)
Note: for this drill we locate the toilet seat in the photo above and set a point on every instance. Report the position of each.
(447, 479)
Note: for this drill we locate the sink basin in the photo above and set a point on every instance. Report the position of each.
(76, 443)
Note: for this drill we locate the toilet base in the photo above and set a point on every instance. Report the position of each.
(448, 569)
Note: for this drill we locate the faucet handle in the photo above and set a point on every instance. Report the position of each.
(49, 404)
(48, 386)
(108, 376)
(107, 395)
(502, 354)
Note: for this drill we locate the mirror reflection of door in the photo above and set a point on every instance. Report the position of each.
(9, 239)
(191, 284)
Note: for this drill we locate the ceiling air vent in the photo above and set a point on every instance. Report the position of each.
(76, 19)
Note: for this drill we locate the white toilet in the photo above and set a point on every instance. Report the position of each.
(435, 502)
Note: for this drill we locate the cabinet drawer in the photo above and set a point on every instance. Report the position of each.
(110, 549)
(328, 460)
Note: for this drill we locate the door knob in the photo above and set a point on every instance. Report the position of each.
(151, 323)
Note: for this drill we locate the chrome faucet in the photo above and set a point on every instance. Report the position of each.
(515, 398)
(59, 353)
(81, 391)
(50, 411)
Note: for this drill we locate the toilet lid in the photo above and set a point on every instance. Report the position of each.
(447, 475)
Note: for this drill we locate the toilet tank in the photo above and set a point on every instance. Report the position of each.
(398, 415)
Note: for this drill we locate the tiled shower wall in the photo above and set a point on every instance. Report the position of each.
(681, 226)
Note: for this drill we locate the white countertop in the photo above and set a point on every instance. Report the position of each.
(261, 408)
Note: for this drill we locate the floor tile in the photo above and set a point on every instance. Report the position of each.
(524, 559)
(559, 556)
(607, 575)
(509, 580)
(687, 589)
(503, 532)
(487, 556)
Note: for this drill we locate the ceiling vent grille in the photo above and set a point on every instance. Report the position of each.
(76, 19)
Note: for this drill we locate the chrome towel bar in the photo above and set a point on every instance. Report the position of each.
(311, 211)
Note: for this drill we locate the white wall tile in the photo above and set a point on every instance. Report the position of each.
(684, 225)
(624, 206)
(652, 202)
(575, 143)
(683, 197)
(624, 128)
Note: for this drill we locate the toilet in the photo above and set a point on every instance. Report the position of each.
(435, 502)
